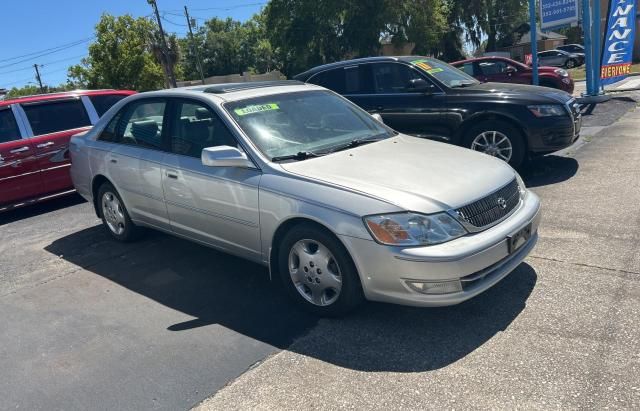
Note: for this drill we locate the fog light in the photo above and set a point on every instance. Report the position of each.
(445, 287)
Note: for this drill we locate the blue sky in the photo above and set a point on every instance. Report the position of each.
(31, 26)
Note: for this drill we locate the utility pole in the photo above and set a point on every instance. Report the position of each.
(194, 49)
(165, 49)
(35, 66)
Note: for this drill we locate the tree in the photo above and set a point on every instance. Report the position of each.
(31, 89)
(121, 56)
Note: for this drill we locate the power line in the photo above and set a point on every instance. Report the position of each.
(42, 54)
(48, 63)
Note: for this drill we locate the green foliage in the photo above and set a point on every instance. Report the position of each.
(31, 89)
(121, 56)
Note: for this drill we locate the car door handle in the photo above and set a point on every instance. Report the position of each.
(19, 150)
(114, 160)
(379, 108)
(171, 174)
(47, 144)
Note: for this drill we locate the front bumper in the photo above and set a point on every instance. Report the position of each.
(478, 260)
(553, 133)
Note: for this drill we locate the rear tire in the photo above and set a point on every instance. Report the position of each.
(571, 63)
(115, 217)
(317, 272)
(488, 137)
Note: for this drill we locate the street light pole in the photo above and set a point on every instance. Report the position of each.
(534, 41)
(165, 49)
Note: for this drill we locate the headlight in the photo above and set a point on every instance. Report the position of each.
(547, 110)
(411, 229)
(562, 72)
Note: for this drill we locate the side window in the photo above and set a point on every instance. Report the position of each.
(392, 77)
(492, 67)
(103, 103)
(468, 68)
(331, 79)
(54, 116)
(195, 126)
(138, 124)
(8, 126)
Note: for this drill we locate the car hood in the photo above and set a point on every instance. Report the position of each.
(412, 173)
(525, 92)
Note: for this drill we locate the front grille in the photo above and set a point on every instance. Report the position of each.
(491, 208)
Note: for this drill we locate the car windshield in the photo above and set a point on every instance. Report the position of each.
(304, 124)
(449, 75)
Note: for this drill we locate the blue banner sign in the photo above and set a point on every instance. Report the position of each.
(555, 13)
(617, 48)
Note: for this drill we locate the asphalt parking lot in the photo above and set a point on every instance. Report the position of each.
(164, 323)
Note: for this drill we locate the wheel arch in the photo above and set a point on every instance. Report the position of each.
(98, 181)
(490, 116)
(285, 226)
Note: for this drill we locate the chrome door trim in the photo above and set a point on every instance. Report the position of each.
(209, 213)
(91, 110)
(22, 120)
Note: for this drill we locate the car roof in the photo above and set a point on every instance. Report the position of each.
(305, 75)
(235, 91)
(62, 95)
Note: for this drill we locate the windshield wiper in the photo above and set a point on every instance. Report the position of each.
(357, 142)
(300, 155)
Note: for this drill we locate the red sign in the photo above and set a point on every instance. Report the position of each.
(528, 59)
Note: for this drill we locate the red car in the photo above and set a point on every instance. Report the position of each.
(34, 137)
(504, 70)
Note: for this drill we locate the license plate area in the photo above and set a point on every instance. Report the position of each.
(520, 238)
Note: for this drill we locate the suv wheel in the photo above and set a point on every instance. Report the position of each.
(114, 214)
(498, 139)
(571, 63)
(318, 273)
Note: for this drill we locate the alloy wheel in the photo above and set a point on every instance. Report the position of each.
(113, 213)
(315, 272)
(493, 143)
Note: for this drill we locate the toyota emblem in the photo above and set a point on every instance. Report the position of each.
(502, 203)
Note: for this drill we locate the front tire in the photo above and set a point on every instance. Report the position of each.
(318, 273)
(571, 63)
(115, 217)
(498, 139)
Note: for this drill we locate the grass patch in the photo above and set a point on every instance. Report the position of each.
(579, 73)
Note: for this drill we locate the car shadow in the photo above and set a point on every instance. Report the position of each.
(216, 288)
(37, 209)
(549, 169)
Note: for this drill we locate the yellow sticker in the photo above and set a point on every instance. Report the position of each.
(256, 109)
(435, 70)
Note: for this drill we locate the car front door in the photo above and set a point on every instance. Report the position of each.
(214, 205)
(19, 169)
(134, 146)
(389, 93)
(494, 71)
(52, 123)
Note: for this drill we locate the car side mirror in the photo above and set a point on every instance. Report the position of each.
(420, 85)
(225, 156)
(378, 118)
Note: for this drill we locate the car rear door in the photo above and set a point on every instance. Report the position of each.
(19, 169)
(213, 205)
(51, 124)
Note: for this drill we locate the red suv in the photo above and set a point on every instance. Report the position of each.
(504, 70)
(34, 137)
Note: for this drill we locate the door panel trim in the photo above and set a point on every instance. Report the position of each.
(19, 175)
(209, 213)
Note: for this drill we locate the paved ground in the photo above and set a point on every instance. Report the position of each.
(163, 323)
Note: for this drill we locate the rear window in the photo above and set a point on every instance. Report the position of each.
(8, 126)
(103, 103)
(56, 116)
(331, 79)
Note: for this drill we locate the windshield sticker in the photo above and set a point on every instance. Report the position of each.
(422, 64)
(435, 70)
(256, 109)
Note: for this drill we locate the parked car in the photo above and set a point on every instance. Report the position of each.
(292, 176)
(425, 97)
(34, 137)
(572, 48)
(560, 58)
(504, 70)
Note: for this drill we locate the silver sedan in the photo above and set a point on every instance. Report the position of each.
(340, 207)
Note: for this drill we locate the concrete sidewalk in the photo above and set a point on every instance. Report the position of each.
(562, 331)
